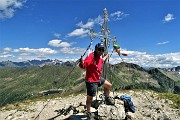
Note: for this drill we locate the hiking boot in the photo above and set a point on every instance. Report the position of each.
(90, 116)
(109, 101)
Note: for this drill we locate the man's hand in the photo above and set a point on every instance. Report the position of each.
(106, 56)
(81, 60)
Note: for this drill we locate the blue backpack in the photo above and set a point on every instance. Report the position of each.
(128, 104)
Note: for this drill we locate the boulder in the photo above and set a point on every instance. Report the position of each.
(107, 112)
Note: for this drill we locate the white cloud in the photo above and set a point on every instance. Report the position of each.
(57, 35)
(6, 56)
(8, 7)
(40, 51)
(6, 50)
(75, 50)
(89, 24)
(133, 53)
(83, 30)
(147, 60)
(162, 43)
(98, 20)
(59, 43)
(24, 54)
(78, 32)
(169, 17)
(30, 57)
(119, 15)
(140, 58)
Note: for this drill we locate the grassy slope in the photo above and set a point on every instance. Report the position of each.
(173, 97)
(22, 83)
(128, 74)
(132, 76)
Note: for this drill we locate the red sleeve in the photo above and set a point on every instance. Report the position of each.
(87, 61)
(102, 60)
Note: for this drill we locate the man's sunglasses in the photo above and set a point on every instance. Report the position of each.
(100, 49)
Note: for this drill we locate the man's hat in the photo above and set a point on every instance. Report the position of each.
(99, 45)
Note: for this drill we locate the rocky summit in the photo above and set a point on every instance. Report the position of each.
(148, 106)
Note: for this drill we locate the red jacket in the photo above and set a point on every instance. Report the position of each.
(93, 65)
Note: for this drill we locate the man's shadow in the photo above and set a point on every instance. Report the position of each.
(72, 117)
(76, 116)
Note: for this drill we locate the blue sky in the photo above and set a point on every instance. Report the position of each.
(147, 30)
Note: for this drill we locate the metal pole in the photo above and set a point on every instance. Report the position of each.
(105, 36)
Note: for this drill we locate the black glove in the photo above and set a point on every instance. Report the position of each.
(81, 60)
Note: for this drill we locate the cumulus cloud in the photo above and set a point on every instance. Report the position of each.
(133, 53)
(6, 50)
(78, 33)
(89, 24)
(59, 43)
(146, 60)
(169, 17)
(8, 7)
(40, 51)
(6, 56)
(22, 54)
(140, 58)
(84, 28)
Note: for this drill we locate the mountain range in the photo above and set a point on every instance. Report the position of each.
(30, 63)
(51, 62)
(37, 78)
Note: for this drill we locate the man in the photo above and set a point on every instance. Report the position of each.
(93, 64)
